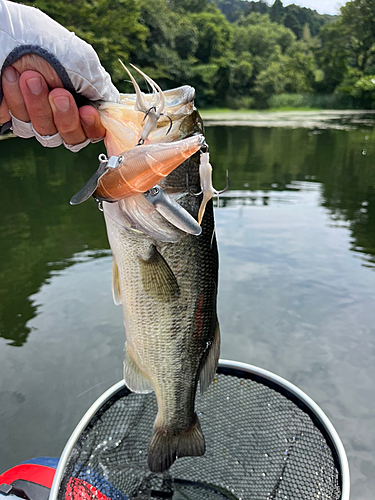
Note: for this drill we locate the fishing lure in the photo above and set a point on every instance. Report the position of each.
(207, 189)
(139, 170)
(136, 170)
(153, 112)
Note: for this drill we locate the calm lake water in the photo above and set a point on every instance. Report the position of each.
(296, 237)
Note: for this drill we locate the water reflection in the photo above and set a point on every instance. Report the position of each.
(38, 226)
(292, 298)
(261, 161)
(41, 232)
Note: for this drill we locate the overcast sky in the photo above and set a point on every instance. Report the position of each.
(322, 6)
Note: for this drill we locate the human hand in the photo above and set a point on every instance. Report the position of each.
(26, 94)
(43, 65)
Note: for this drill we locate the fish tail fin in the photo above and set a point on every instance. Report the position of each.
(166, 446)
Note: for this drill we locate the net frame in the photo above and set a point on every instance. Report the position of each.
(241, 370)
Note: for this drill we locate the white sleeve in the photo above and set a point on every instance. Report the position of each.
(26, 30)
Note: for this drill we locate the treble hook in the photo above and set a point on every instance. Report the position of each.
(142, 140)
(148, 111)
(201, 191)
(226, 184)
(170, 122)
(188, 187)
(161, 114)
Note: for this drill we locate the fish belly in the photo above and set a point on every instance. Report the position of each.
(168, 295)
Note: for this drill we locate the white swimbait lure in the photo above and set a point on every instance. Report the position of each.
(207, 189)
(153, 112)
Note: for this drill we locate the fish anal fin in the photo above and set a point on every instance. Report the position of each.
(208, 370)
(116, 292)
(135, 380)
(157, 277)
(166, 446)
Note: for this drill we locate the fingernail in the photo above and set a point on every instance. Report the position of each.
(62, 103)
(34, 85)
(10, 74)
(88, 120)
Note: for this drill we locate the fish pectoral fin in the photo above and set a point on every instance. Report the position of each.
(208, 370)
(135, 380)
(157, 277)
(166, 446)
(116, 292)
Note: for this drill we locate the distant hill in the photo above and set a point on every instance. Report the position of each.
(291, 16)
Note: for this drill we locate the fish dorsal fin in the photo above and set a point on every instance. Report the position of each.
(209, 368)
(157, 277)
(135, 380)
(116, 292)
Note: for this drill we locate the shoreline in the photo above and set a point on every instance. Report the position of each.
(322, 119)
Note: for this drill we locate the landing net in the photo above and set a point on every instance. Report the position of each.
(264, 440)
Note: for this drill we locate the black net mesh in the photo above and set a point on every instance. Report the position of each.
(262, 443)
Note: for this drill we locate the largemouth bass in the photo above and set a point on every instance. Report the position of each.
(166, 281)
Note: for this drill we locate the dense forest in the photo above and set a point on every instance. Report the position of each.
(236, 53)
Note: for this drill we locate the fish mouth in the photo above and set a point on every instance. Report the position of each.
(176, 120)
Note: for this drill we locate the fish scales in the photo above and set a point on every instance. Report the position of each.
(169, 336)
(164, 278)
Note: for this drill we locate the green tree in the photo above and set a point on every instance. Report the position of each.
(348, 47)
(214, 35)
(358, 21)
(234, 9)
(292, 72)
(266, 50)
(313, 42)
(332, 57)
(261, 38)
(188, 5)
(159, 58)
(364, 91)
(241, 73)
(277, 11)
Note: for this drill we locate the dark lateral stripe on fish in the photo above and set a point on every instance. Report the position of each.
(157, 277)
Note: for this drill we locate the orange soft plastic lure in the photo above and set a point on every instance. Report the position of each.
(145, 166)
